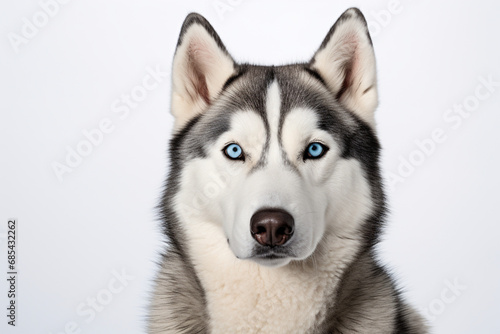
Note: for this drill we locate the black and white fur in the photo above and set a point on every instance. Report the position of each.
(212, 277)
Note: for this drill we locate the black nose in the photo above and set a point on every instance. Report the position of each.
(272, 227)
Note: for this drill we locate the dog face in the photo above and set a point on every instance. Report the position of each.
(275, 158)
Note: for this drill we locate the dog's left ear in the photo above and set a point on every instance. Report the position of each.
(346, 62)
(201, 67)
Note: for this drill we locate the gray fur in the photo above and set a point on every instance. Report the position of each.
(368, 302)
(187, 305)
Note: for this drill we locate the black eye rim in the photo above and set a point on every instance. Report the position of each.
(240, 157)
(308, 156)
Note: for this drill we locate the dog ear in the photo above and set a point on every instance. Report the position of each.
(201, 67)
(346, 62)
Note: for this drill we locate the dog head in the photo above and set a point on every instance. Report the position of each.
(274, 158)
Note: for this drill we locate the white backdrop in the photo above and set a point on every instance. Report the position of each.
(87, 234)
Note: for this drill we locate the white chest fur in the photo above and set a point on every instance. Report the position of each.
(244, 297)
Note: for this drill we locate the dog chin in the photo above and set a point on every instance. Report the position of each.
(272, 262)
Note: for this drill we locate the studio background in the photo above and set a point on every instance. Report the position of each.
(88, 238)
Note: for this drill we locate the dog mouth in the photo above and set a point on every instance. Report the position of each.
(270, 256)
(274, 253)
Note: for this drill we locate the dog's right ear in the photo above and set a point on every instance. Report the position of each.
(201, 67)
(346, 62)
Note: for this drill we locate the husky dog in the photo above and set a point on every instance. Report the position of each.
(274, 200)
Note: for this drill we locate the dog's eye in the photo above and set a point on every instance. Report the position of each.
(315, 151)
(234, 152)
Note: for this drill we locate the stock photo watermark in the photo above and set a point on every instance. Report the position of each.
(88, 309)
(218, 181)
(222, 7)
(377, 20)
(12, 273)
(32, 25)
(453, 119)
(121, 107)
(448, 295)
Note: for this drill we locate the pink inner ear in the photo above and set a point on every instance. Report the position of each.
(196, 55)
(350, 61)
(201, 87)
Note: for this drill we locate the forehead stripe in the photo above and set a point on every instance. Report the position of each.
(273, 108)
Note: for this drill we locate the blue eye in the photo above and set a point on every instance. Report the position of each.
(315, 151)
(234, 152)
